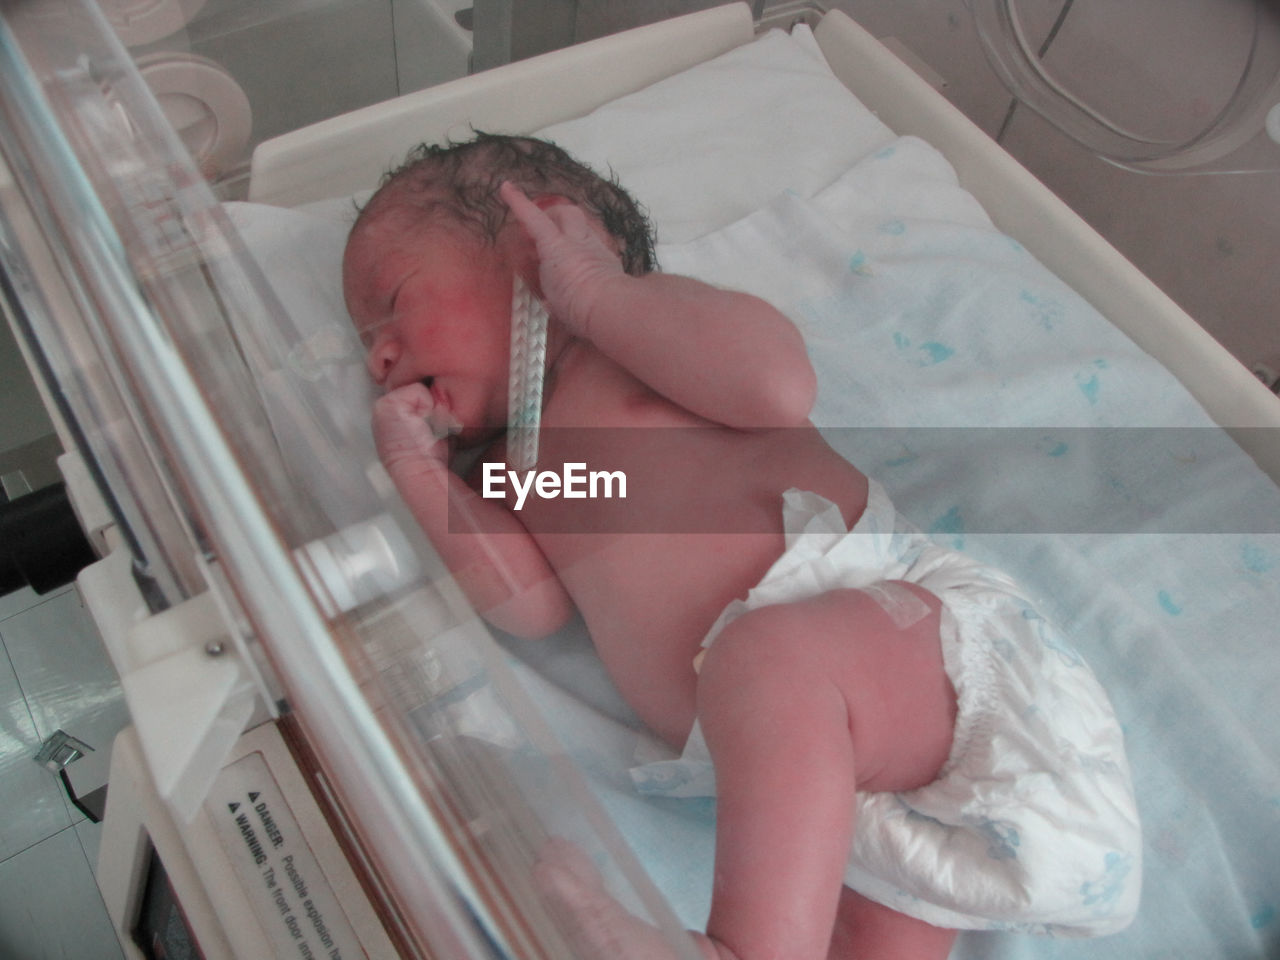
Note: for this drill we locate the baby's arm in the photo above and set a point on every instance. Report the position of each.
(492, 556)
(724, 355)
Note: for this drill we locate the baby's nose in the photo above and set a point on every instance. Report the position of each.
(382, 358)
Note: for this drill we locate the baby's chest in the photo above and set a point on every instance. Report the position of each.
(613, 399)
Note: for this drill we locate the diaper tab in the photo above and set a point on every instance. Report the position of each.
(904, 608)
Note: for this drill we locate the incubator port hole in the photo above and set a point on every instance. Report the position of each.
(204, 104)
(1187, 91)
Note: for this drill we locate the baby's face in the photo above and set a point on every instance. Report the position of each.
(434, 306)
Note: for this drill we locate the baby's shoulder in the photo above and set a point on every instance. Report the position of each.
(593, 390)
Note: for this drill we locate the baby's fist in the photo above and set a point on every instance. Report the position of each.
(402, 428)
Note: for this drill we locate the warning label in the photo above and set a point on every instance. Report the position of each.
(292, 898)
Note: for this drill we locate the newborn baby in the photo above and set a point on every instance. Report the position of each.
(899, 744)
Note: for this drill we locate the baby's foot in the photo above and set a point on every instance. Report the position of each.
(597, 924)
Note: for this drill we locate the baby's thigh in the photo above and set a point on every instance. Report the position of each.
(877, 650)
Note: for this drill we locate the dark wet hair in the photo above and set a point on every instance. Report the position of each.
(461, 180)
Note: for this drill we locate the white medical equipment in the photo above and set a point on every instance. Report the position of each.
(290, 647)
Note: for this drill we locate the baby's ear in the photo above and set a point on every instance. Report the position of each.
(520, 252)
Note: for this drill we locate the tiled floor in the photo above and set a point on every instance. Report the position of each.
(54, 675)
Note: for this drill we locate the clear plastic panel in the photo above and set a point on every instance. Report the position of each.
(213, 413)
(1194, 88)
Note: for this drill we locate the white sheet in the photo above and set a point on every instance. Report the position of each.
(1160, 555)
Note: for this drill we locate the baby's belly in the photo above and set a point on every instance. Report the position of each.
(700, 525)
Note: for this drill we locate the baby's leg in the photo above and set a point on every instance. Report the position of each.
(866, 930)
(801, 705)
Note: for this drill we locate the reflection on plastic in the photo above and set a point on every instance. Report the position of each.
(359, 563)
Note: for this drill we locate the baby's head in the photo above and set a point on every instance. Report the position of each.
(430, 263)
(458, 184)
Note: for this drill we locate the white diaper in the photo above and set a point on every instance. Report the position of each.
(1031, 825)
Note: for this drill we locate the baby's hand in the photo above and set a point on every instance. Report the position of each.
(575, 261)
(403, 429)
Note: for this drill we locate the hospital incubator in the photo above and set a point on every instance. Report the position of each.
(329, 755)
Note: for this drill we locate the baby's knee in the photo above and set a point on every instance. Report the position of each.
(872, 663)
(762, 646)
